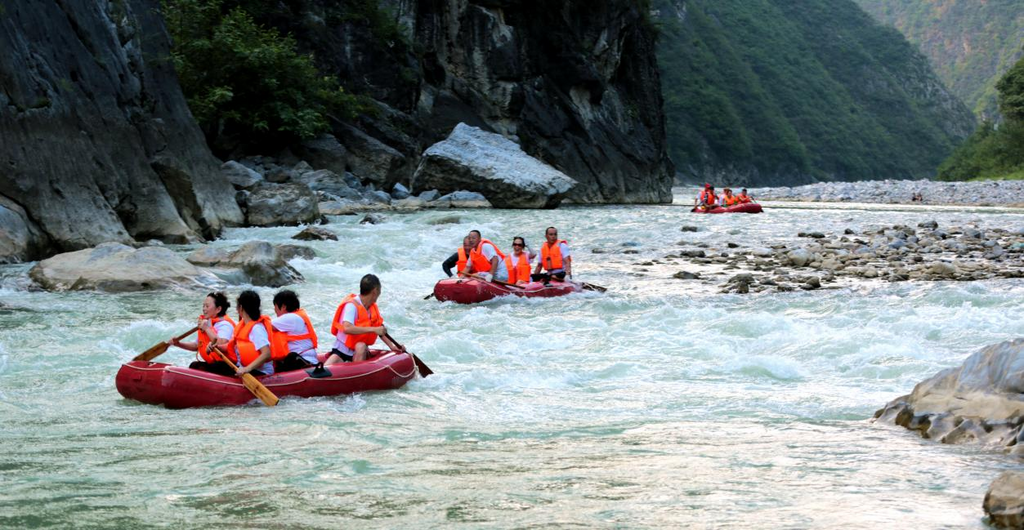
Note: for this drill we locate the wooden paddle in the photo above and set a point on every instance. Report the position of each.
(420, 365)
(159, 349)
(592, 287)
(251, 383)
(499, 282)
(429, 296)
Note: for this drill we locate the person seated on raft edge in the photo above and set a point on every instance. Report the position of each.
(728, 199)
(214, 327)
(517, 264)
(743, 197)
(484, 259)
(293, 333)
(458, 259)
(357, 323)
(555, 258)
(707, 200)
(250, 348)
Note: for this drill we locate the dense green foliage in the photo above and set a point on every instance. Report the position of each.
(244, 79)
(970, 43)
(994, 152)
(792, 92)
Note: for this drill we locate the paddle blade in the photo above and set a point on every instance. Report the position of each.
(152, 353)
(266, 396)
(592, 287)
(421, 366)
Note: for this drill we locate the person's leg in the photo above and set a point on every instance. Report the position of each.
(293, 361)
(337, 356)
(560, 276)
(360, 354)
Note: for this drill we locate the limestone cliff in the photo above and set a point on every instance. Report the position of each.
(96, 141)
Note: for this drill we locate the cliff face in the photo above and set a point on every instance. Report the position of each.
(96, 141)
(575, 83)
(772, 92)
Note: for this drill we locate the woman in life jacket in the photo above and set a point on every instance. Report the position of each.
(728, 199)
(293, 333)
(518, 262)
(250, 348)
(215, 328)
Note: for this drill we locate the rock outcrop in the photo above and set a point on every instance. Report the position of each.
(97, 141)
(1004, 501)
(114, 267)
(488, 163)
(256, 262)
(981, 401)
(280, 204)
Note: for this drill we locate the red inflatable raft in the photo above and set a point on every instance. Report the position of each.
(750, 207)
(177, 388)
(471, 291)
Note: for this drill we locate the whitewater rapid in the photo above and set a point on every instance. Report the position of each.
(653, 405)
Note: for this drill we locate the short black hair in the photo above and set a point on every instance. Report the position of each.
(221, 301)
(478, 234)
(550, 228)
(287, 299)
(368, 284)
(249, 301)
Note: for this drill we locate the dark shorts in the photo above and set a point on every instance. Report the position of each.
(293, 361)
(220, 368)
(344, 356)
(547, 277)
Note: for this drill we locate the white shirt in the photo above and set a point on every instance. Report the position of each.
(224, 330)
(516, 261)
(292, 324)
(258, 337)
(347, 315)
(488, 252)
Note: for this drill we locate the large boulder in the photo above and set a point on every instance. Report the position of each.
(369, 158)
(239, 176)
(1004, 501)
(114, 267)
(20, 238)
(256, 262)
(981, 401)
(323, 152)
(475, 160)
(281, 204)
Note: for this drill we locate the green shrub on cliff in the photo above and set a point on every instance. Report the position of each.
(246, 80)
(994, 151)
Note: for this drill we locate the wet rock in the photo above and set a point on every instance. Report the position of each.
(689, 229)
(849, 231)
(255, 262)
(315, 233)
(931, 225)
(460, 199)
(114, 267)
(372, 219)
(813, 235)
(323, 152)
(973, 233)
(409, 203)
(369, 158)
(995, 252)
(445, 220)
(799, 257)
(429, 195)
(732, 245)
(742, 278)
(488, 163)
(239, 176)
(943, 268)
(598, 251)
(1004, 501)
(813, 282)
(290, 252)
(280, 205)
(400, 192)
(692, 253)
(20, 238)
(630, 251)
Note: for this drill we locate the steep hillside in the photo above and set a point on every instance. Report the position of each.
(969, 43)
(772, 92)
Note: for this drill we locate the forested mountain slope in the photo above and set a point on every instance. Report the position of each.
(775, 92)
(970, 43)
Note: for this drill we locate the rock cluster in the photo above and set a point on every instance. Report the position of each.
(984, 193)
(114, 267)
(256, 262)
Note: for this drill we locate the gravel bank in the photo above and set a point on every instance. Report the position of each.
(987, 193)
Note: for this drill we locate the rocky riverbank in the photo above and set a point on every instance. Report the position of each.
(987, 193)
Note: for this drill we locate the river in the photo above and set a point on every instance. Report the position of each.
(653, 405)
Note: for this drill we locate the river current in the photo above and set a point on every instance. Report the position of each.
(656, 404)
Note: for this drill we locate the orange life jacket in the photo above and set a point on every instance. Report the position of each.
(480, 263)
(365, 318)
(279, 340)
(743, 199)
(246, 349)
(707, 196)
(519, 271)
(204, 339)
(551, 255)
(463, 259)
(731, 200)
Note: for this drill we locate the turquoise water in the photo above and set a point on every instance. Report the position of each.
(657, 404)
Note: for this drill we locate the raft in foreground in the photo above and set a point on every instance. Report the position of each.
(176, 387)
(750, 207)
(471, 291)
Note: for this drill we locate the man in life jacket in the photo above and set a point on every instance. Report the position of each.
(743, 197)
(251, 347)
(293, 333)
(555, 258)
(707, 199)
(728, 199)
(485, 258)
(216, 328)
(459, 259)
(517, 264)
(357, 323)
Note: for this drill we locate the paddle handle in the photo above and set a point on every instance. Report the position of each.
(159, 349)
(187, 333)
(257, 388)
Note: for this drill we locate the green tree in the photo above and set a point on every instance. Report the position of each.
(1011, 92)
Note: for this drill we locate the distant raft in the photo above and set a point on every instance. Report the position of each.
(176, 387)
(750, 207)
(471, 291)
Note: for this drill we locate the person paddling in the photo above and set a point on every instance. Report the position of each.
(743, 197)
(728, 199)
(706, 199)
(293, 333)
(555, 258)
(215, 327)
(458, 259)
(485, 258)
(517, 264)
(357, 323)
(250, 346)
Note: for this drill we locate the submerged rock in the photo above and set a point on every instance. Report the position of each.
(315, 233)
(473, 159)
(114, 267)
(256, 262)
(1004, 501)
